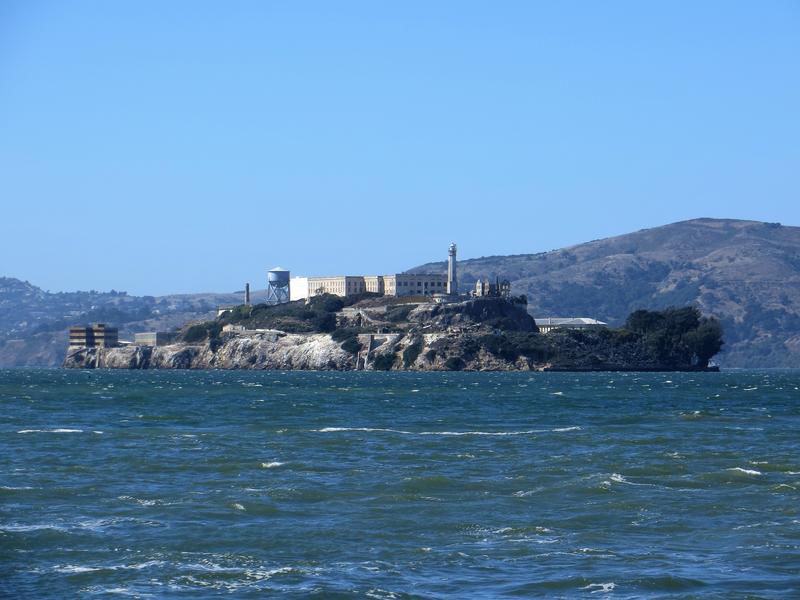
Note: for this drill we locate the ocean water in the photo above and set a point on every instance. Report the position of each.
(399, 485)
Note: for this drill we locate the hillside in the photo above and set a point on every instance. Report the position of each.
(33, 322)
(746, 273)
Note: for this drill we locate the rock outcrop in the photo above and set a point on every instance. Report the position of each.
(252, 351)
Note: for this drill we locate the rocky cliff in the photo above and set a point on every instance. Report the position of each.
(477, 335)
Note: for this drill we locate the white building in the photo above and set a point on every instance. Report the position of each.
(298, 288)
(548, 324)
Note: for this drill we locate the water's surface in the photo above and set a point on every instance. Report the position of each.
(398, 485)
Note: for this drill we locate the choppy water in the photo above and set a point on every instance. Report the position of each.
(398, 485)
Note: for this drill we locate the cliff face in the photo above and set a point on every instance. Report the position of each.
(478, 334)
(256, 351)
(319, 352)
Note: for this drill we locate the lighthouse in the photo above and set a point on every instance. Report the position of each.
(452, 277)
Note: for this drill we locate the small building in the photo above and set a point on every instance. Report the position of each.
(498, 289)
(154, 338)
(221, 310)
(98, 335)
(548, 324)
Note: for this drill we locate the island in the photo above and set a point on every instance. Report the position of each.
(379, 333)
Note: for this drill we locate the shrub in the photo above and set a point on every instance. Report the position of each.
(195, 333)
(383, 362)
(351, 345)
(454, 363)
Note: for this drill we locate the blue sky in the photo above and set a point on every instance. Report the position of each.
(161, 147)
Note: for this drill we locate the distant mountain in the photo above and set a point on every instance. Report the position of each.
(746, 273)
(33, 323)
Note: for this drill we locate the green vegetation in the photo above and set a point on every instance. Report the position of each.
(454, 363)
(318, 316)
(348, 337)
(200, 332)
(674, 335)
(511, 345)
(383, 362)
(676, 338)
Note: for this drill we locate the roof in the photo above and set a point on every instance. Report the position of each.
(561, 321)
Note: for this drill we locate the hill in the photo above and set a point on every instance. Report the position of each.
(745, 273)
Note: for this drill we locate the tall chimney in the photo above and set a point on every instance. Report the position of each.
(247, 294)
(452, 277)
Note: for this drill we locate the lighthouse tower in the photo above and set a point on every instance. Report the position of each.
(452, 277)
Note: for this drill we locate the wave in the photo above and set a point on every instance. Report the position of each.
(602, 588)
(272, 465)
(745, 471)
(59, 430)
(446, 433)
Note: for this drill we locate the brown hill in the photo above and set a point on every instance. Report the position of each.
(746, 273)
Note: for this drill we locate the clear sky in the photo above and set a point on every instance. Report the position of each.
(161, 147)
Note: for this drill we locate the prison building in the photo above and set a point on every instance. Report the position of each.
(416, 284)
(401, 284)
(154, 338)
(99, 335)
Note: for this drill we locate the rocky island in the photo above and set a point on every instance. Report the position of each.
(368, 332)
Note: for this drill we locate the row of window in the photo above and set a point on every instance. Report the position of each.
(420, 283)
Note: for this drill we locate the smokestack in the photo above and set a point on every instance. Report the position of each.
(247, 294)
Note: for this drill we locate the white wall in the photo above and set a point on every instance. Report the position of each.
(298, 288)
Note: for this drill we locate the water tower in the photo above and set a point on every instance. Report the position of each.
(277, 286)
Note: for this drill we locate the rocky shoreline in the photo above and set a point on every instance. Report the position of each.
(378, 334)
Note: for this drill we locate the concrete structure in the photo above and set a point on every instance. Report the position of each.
(452, 276)
(338, 285)
(221, 310)
(548, 324)
(498, 289)
(415, 284)
(98, 335)
(298, 288)
(398, 284)
(154, 338)
(247, 294)
(278, 284)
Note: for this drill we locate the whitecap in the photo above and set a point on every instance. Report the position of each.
(745, 471)
(59, 430)
(269, 573)
(272, 465)
(602, 588)
(141, 501)
(237, 506)
(443, 433)
(75, 569)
